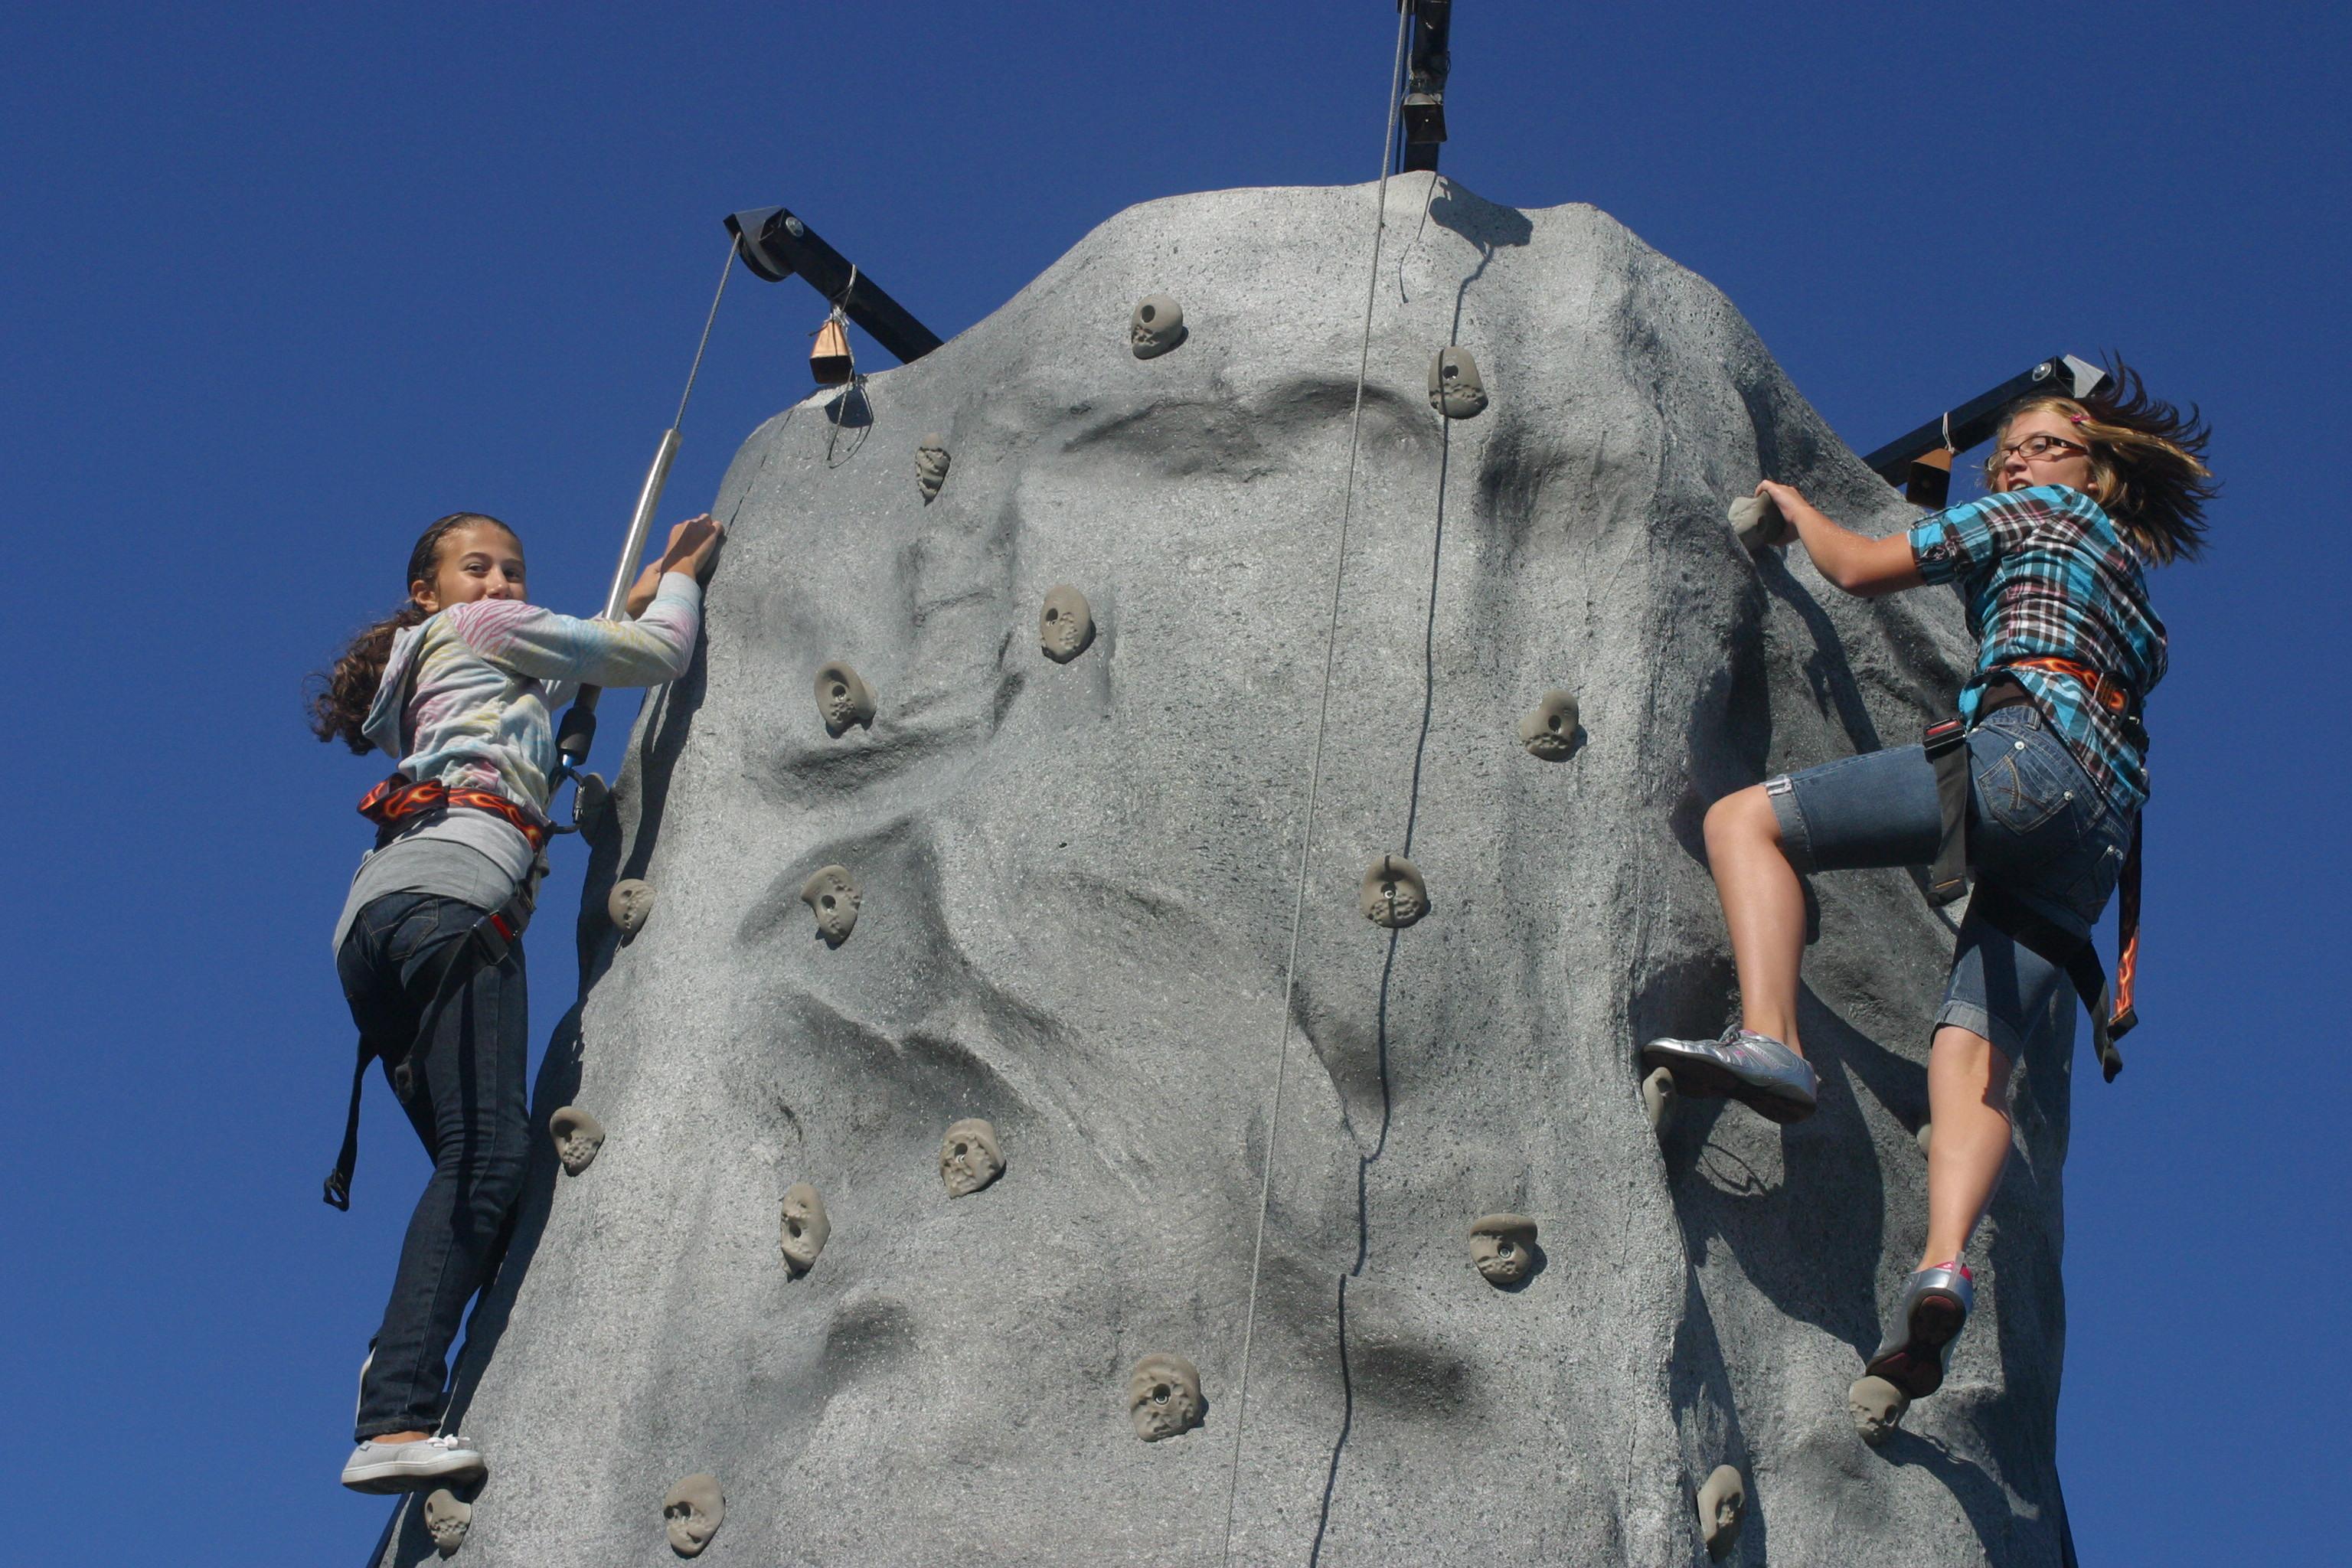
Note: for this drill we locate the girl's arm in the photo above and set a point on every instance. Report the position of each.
(653, 648)
(1854, 561)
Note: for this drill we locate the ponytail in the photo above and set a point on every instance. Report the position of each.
(342, 696)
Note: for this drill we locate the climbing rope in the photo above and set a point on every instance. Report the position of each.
(727, 270)
(1314, 781)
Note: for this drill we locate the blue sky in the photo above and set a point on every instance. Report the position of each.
(282, 284)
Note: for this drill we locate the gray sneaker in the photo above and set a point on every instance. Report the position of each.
(1755, 1069)
(1930, 1314)
(416, 1466)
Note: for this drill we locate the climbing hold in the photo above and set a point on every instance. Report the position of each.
(1392, 893)
(805, 1227)
(1722, 1504)
(1163, 1397)
(447, 1518)
(629, 903)
(969, 1157)
(1877, 1407)
(1925, 1129)
(842, 698)
(1503, 1247)
(930, 465)
(1454, 389)
(590, 795)
(1658, 1098)
(1157, 326)
(694, 1511)
(578, 1136)
(1066, 625)
(834, 898)
(1549, 729)
(1760, 524)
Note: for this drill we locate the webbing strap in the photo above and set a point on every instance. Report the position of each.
(2126, 1015)
(1947, 747)
(2077, 955)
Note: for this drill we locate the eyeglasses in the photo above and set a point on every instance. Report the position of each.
(2033, 448)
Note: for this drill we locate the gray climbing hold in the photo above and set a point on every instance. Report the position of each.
(969, 1157)
(692, 1512)
(1157, 326)
(1722, 1506)
(1163, 1397)
(1503, 1247)
(805, 1228)
(1760, 524)
(834, 898)
(1549, 729)
(1927, 1129)
(1392, 893)
(578, 1136)
(1877, 1406)
(1659, 1097)
(628, 904)
(447, 1517)
(843, 700)
(931, 465)
(1454, 389)
(1065, 626)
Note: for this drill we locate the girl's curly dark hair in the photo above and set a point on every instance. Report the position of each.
(341, 696)
(2147, 462)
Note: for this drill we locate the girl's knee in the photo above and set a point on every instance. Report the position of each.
(1745, 814)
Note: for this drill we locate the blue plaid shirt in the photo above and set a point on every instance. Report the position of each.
(2044, 573)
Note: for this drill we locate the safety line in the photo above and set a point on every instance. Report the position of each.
(729, 271)
(1314, 782)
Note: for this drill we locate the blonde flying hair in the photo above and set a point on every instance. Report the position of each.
(2147, 466)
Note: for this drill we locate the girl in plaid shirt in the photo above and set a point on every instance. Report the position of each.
(2050, 568)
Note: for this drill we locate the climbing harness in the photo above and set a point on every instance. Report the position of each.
(400, 797)
(1314, 786)
(2111, 1006)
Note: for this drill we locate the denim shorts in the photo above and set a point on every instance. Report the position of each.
(2038, 827)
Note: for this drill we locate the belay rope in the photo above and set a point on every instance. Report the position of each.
(1314, 783)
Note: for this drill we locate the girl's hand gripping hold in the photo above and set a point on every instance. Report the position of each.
(693, 544)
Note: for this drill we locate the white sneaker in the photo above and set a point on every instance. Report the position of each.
(414, 1467)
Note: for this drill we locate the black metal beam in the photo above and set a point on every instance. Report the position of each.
(775, 244)
(1980, 416)
(1428, 66)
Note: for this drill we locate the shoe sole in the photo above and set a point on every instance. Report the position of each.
(1918, 1368)
(1701, 1078)
(382, 1480)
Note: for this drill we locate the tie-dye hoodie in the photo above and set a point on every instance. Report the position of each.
(489, 674)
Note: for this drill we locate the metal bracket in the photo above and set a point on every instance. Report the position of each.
(1424, 109)
(775, 244)
(1980, 416)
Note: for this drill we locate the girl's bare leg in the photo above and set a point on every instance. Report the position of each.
(1764, 906)
(1967, 1104)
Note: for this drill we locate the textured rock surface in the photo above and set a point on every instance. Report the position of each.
(1077, 899)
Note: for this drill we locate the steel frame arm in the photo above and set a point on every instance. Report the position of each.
(775, 244)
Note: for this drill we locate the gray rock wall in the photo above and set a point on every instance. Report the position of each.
(1078, 885)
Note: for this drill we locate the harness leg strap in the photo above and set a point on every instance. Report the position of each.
(1946, 745)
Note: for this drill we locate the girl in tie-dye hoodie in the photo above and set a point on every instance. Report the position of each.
(458, 686)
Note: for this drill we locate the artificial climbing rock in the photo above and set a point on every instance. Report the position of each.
(834, 900)
(447, 1518)
(578, 1135)
(1157, 326)
(1065, 625)
(931, 467)
(1722, 1507)
(1877, 1406)
(1659, 1097)
(1454, 389)
(804, 1230)
(1392, 893)
(1503, 1248)
(692, 1513)
(843, 700)
(1549, 729)
(1163, 1397)
(969, 1157)
(1759, 524)
(628, 904)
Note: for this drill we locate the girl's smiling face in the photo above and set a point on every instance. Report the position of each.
(480, 561)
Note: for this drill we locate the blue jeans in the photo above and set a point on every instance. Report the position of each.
(460, 1076)
(2038, 827)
